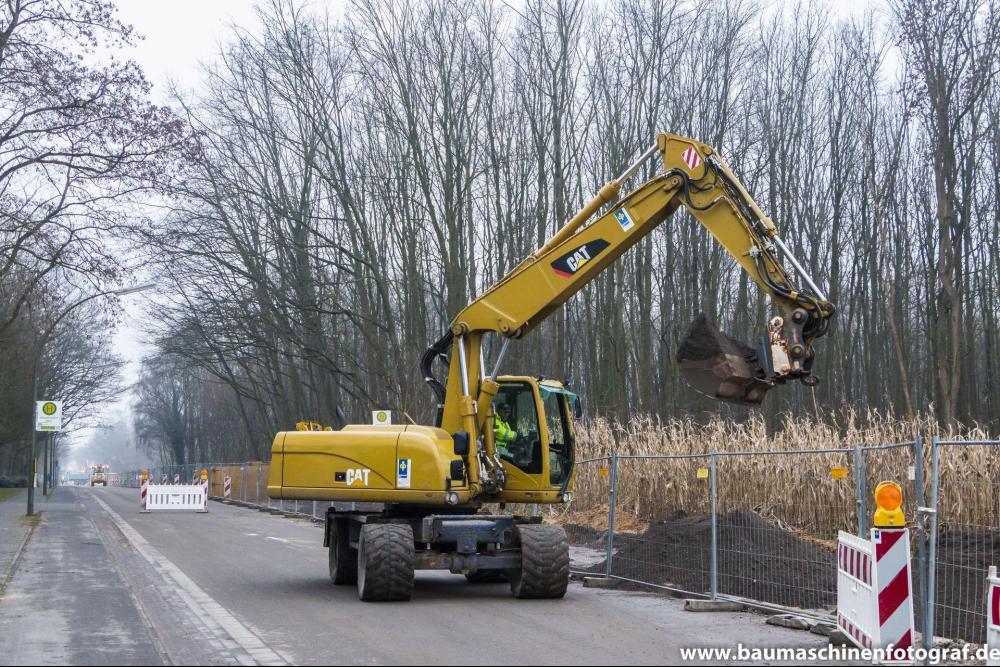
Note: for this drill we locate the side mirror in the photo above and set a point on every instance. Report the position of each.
(578, 409)
(461, 440)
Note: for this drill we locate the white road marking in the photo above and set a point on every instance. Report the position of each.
(200, 602)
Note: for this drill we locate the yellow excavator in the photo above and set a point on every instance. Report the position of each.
(510, 438)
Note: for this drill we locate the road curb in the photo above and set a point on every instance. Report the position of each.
(246, 638)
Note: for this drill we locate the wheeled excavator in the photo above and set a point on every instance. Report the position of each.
(429, 483)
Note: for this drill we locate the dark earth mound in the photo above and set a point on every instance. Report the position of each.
(762, 561)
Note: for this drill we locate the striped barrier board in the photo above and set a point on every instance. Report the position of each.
(177, 478)
(895, 594)
(176, 497)
(227, 487)
(993, 618)
(874, 591)
(856, 600)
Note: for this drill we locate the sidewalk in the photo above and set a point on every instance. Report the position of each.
(67, 602)
(14, 526)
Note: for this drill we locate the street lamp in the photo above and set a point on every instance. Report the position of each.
(38, 355)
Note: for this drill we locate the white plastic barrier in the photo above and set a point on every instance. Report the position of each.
(993, 618)
(874, 590)
(176, 497)
(857, 603)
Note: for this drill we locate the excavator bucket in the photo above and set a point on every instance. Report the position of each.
(720, 366)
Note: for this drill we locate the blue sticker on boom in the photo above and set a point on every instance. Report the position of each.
(622, 216)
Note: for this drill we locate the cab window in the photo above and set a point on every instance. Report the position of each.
(515, 427)
(556, 406)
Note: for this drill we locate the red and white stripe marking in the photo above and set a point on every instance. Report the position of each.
(856, 601)
(853, 631)
(855, 562)
(142, 494)
(227, 487)
(177, 478)
(895, 597)
(691, 157)
(993, 618)
(874, 597)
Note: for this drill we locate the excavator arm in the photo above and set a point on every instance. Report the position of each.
(695, 177)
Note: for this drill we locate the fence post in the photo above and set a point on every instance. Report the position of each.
(243, 483)
(611, 513)
(918, 493)
(714, 571)
(860, 482)
(932, 544)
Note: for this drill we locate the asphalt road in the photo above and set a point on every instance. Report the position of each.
(100, 583)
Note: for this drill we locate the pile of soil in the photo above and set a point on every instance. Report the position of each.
(757, 559)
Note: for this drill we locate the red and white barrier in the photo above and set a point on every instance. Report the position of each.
(856, 598)
(177, 478)
(205, 487)
(143, 490)
(177, 497)
(993, 618)
(874, 591)
(227, 486)
(895, 589)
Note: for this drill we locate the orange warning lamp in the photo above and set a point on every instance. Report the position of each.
(888, 500)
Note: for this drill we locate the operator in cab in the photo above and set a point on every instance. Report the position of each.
(503, 434)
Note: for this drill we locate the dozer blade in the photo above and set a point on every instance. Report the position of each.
(720, 366)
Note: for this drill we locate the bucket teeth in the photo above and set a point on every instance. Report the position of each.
(720, 366)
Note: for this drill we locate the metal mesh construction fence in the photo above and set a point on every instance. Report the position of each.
(965, 492)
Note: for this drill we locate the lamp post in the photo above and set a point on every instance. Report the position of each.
(34, 371)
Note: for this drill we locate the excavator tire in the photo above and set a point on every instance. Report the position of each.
(544, 572)
(385, 562)
(486, 577)
(343, 558)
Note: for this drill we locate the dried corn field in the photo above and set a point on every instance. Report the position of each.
(778, 475)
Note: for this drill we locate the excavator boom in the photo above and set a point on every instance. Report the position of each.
(696, 178)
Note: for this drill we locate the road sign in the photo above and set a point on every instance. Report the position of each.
(48, 415)
(381, 417)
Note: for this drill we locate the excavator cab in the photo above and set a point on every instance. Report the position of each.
(533, 436)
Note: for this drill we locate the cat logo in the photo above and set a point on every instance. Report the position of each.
(357, 475)
(576, 259)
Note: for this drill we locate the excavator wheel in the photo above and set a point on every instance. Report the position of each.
(544, 572)
(343, 558)
(486, 577)
(385, 562)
